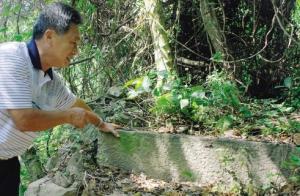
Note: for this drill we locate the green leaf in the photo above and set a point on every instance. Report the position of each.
(110, 3)
(217, 57)
(288, 82)
(245, 112)
(3, 29)
(295, 160)
(271, 113)
(152, 74)
(225, 122)
(138, 83)
(184, 103)
(294, 179)
(141, 85)
(157, 92)
(18, 37)
(166, 104)
(17, 8)
(286, 109)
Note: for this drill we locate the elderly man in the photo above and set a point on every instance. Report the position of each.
(32, 95)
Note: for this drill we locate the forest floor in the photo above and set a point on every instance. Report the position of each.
(113, 181)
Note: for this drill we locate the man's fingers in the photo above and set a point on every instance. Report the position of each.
(117, 126)
(115, 133)
(111, 127)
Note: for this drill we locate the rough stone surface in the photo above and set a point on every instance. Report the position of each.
(62, 180)
(115, 91)
(52, 163)
(75, 165)
(45, 186)
(222, 162)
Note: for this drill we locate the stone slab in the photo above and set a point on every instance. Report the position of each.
(45, 186)
(204, 161)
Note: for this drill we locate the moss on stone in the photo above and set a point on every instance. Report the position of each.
(188, 175)
(129, 142)
(176, 154)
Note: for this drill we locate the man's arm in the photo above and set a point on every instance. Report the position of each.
(81, 104)
(38, 120)
(79, 115)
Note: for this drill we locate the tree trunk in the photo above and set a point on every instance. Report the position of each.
(212, 27)
(163, 58)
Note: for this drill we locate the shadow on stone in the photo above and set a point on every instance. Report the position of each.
(204, 161)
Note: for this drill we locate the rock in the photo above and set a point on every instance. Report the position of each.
(202, 161)
(165, 130)
(116, 193)
(62, 180)
(232, 134)
(120, 118)
(115, 91)
(75, 166)
(169, 128)
(191, 131)
(287, 189)
(296, 138)
(182, 129)
(104, 179)
(52, 163)
(45, 186)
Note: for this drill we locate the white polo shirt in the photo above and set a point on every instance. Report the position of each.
(23, 86)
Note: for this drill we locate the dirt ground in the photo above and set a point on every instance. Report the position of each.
(114, 182)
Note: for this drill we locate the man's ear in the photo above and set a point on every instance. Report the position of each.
(49, 36)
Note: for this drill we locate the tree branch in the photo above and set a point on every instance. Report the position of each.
(281, 25)
(83, 60)
(190, 62)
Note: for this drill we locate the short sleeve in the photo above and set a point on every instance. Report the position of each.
(15, 82)
(65, 99)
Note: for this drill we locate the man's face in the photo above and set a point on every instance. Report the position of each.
(65, 47)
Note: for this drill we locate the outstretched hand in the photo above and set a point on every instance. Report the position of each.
(80, 117)
(110, 128)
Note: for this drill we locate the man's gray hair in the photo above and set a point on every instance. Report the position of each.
(57, 16)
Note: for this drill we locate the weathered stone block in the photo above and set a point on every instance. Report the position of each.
(45, 186)
(224, 163)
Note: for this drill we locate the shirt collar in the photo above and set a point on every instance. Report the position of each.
(35, 57)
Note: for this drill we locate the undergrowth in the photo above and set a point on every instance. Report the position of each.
(217, 105)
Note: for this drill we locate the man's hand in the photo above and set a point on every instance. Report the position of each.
(80, 117)
(110, 128)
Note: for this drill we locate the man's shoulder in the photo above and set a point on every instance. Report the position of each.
(13, 47)
(14, 54)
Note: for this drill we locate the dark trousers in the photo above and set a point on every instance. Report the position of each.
(9, 177)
